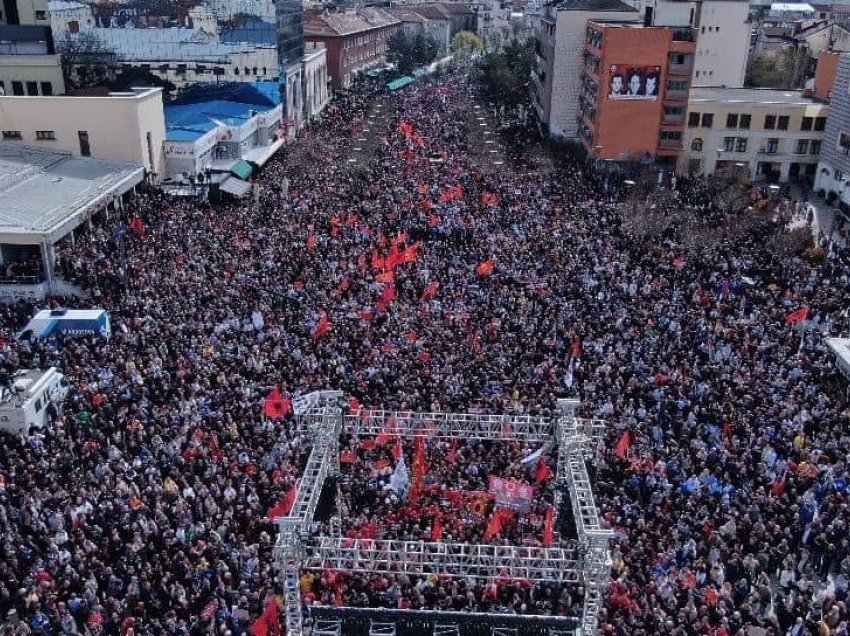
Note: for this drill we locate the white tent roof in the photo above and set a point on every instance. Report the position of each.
(46, 194)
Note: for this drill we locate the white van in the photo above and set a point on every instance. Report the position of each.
(68, 323)
(24, 405)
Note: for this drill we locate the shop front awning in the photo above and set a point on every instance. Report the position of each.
(242, 169)
(234, 186)
(401, 82)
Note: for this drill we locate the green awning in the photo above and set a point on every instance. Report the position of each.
(401, 82)
(242, 169)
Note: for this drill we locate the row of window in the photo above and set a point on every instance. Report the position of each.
(771, 146)
(743, 121)
(50, 135)
(31, 88)
(593, 38)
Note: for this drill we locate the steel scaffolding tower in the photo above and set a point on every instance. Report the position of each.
(322, 415)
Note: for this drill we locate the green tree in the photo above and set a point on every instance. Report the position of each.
(85, 60)
(505, 75)
(785, 69)
(409, 52)
(466, 43)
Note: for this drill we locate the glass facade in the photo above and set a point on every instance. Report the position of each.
(290, 31)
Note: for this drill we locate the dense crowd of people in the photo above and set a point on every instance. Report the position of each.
(422, 284)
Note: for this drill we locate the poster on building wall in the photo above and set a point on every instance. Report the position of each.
(634, 82)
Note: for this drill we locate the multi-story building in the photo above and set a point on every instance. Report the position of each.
(28, 61)
(290, 47)
(560, 52)
(414, 23)
(833, 173)
(722, 30)
(354, 41)
(765, 135)
(633, 98)
(315, 75)
(118, 126)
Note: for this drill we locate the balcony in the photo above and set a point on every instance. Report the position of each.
(676, 94)
(673, 120)
(680, 69)
(670, 144)
(684, 35)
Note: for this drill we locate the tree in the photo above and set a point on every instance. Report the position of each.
(136, 76)
(85, 60)
(505, 75)
(785, 69)
(466, 43)
(408, 52)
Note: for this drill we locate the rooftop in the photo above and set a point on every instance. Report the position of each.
(156, 45)
(594, 5)
(47, 193)
(347, 23)
(792, 6)
(748, 96)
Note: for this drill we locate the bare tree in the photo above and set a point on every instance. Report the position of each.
(86, 61)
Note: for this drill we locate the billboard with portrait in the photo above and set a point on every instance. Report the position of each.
(634, 82)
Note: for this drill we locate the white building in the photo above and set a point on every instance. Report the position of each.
(723, 35)
(556, 80)
(314, 74)
(128, 127)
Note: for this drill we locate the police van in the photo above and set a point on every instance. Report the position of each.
(24, 402)
(68, 323)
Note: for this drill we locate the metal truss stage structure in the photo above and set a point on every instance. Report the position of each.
(323, 414)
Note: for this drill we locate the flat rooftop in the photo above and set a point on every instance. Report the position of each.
(46, 194)
(749, 96)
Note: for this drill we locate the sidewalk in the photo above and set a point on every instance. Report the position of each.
(825, 217)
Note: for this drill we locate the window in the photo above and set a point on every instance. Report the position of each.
(85, 147)
(32, 88)
(164, 68)
(44, 135)
(707, 120)
(772, 146)
(782, 123)
(696, 145)
(732, 120)
(744, 122)
(806, 125)
(741, 144)
(46, 88)
(41, 15)
(200, 70)
(844, 142)
(17, 88)
(728, 144)
(820, 124)
(2, 87)
(236, 70)
(770, 122)
(181, 69)
(814, 147)
(802, 147)
(11, 134)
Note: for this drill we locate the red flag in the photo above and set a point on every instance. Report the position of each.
(430, 291)
(268, 624)
(622, 448)
(387, 277)
(311, 241)
(489, 199)
(543, 472)
(410, 254)
(578, 348)
(397, 450)
(797, 316)
(497, 522)
(138, 226)
(549, 527)
(347, 457)
(437, 529)
(276, 405)
(485, 268)
(323, 327)
(386, 298)
(354, 405)
(285, 505)
(209, 610)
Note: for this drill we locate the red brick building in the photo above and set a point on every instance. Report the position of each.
(635, 84)
(354, 40)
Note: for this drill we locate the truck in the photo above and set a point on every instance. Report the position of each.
(68, 323)
(24, 401)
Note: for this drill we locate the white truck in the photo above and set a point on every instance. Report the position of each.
(23, 405)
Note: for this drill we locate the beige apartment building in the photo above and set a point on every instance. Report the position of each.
(127, 127)
(765, 135)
